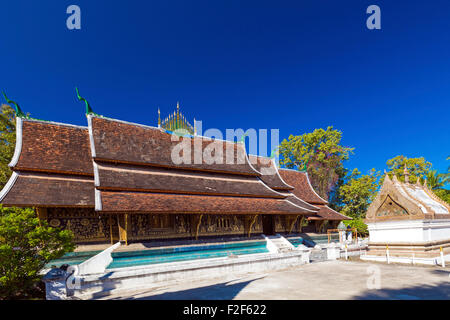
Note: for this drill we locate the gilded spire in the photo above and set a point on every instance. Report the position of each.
(406, 174)
(159, 118)
(176, 120)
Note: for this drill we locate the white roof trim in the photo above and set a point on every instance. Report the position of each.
(408, 197)
(272, 190)
(278, 173)
(9, 185)
(91, 136)
(309, 182)
(98, 200)
(293, 195)
(96, 174)
(18, 148)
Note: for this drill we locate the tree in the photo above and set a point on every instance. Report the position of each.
(26, 245)
(7, 142)
(417, 167)
(444, 194)
(357, 193)
(446, 176)
(321, 154)
(434, 180)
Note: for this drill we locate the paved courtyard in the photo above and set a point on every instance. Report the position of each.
(323, 280)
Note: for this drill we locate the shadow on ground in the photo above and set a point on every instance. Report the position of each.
(440, 291)
(220, 291)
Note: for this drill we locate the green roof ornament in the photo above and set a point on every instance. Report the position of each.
(19, 112)
(88, 107)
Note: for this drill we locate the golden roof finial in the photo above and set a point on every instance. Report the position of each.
(406, 174)
(159, 118)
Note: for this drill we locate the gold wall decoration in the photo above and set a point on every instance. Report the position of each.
(90, 227)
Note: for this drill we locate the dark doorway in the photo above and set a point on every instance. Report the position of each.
(268, 224)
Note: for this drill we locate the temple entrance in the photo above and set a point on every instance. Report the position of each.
(268, 224)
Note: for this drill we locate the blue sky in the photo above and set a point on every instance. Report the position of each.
(289, 65)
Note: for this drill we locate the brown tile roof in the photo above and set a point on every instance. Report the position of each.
(119, 141)
(269, 172)
(133, 172)
(35, 189)
(326, 213)
(113, 201)
(52, 147)
(303, 189)
(153, 179)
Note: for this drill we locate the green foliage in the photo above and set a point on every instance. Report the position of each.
(359, 225)
(444, 194)
(446, 176)
(417, 167)
(434, 180)
(321, 153)
(7, 141)
(355, 195)
(26, 245)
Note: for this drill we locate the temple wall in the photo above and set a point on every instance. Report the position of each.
(89, 226)
(86, 224)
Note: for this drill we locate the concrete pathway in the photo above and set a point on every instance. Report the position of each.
(324, 280)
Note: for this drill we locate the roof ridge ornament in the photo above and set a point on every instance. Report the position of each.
(19, 112)
(88, 107)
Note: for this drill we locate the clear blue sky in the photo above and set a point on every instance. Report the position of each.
(293, 65)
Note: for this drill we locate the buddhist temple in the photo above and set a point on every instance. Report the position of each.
(115, 181)
(407, 223)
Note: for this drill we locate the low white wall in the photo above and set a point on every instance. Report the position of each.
(409, 231)
(132, 278)
(408, 260)
(271, 247)
(97, 263)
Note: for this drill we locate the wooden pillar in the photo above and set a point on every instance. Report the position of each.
(292, 219)
(122, 223)
(196, 221)
(41, 214)
(111, 229)
(321, 226)
(300, 225)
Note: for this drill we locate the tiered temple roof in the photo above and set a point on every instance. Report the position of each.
(52, 166)
(398, 200)
(117, 166)
(303, 190)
